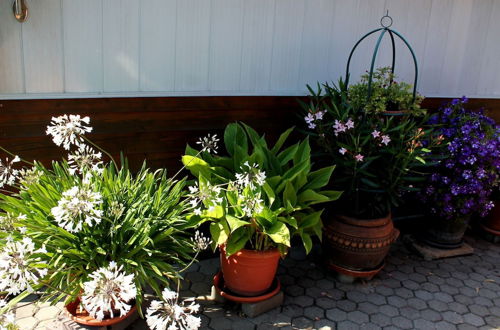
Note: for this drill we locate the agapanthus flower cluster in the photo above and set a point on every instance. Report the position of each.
(314, 116)
(209, 143)
(83, 159)
(29, 176)
(77, 206)
(8, 174)
(206, 195)
(110, 293)
(171, 314)
(250, 177)
(463, 182)
(8, 219)
(68, 130)
(201, 242)
(7, 320)
(18, 266)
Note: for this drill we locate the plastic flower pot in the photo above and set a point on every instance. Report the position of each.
(248, 272)
(81, 316)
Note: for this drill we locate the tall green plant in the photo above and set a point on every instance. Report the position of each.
(258, 196)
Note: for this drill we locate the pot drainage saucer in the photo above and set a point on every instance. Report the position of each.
(226, 293)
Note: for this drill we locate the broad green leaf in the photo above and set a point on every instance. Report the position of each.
(219, 231)
(237, 240)
(235, 223)
(320, 178)
(279, 233)
(310, 220)
(281, 140)
(289, 194)
(307, 241)
(234, 135)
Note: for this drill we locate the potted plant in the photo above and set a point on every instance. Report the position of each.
(256, 199)
(384, 95)
(462, 184)
(90, 232)
(377, 158)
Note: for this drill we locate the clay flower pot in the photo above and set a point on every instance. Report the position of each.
(358, 247)
(81, 316)
(491, 223)
(248, 272)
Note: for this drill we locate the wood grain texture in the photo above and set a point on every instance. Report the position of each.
(155, 128)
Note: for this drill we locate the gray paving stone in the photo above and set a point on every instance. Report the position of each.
(302, 322)
(402, 322)
(409, 313)
(358, 317)
(452, 317)
(347, 325)
(423, 324)
(368, 308)
(336, 315)
(396, 301)
(444, 297)
(424, 295)
(325, 284)
(346, 305)
(325, 302)
(314, 313)
(458, 308)
(473, 319)
(389, 310)
(381, 320)
(294, 290)
(430, 315)
(417, 303)
(376, 299)
(324, 325)
(303, 301)
(444, 325)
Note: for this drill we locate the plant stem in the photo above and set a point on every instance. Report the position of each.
(13, 155)
(101, 149)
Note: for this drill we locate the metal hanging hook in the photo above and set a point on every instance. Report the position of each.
(387, 19)
(20, 10)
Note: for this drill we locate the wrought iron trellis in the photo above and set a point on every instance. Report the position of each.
(386, 23)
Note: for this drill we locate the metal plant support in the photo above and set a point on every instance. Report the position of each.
(386, 23)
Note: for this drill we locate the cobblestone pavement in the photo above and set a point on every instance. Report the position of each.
(410, 293)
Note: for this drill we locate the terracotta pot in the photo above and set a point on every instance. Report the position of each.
(81, 316)
(358, 244)
(444, 234)
(219, 285)
(492, 222)
(248, 272)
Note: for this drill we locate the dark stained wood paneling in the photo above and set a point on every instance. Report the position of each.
(154, 128)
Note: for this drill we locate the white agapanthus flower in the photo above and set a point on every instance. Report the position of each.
(209, 143)
(201, 242)
(169, 314)
(77, 206)
(85, 158)
(68, 130)
(17, 266)
(8, 319)
(250, 177)
(29, 176)
(206, 194)
(110, 291)
(251, 205)
(8, 219)
(8, 174)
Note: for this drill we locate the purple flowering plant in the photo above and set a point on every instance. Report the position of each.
(463, 182)
(379, 157)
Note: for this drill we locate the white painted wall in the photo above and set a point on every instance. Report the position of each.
(83, 48)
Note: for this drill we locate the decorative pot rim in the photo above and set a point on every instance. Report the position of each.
(365, 222)
(89, 320)
(247, 253)
(219, 280)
